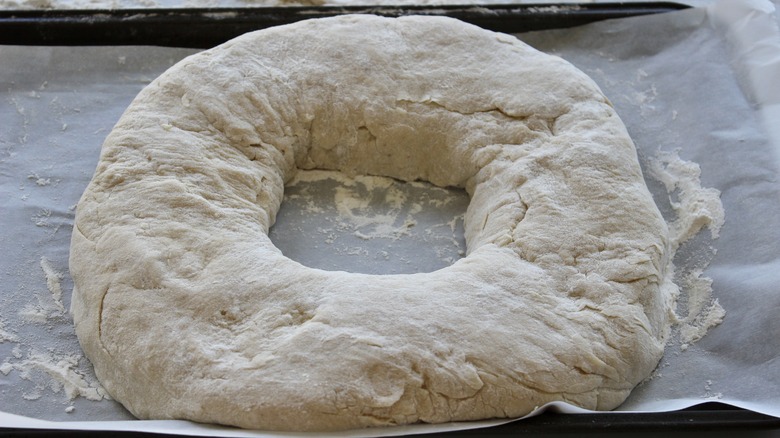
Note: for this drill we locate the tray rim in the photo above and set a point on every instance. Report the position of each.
(207, 27)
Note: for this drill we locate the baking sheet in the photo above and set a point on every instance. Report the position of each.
(139, 4)
(206, 27)
(688, 81)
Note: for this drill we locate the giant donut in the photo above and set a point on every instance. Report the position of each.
(187, 310)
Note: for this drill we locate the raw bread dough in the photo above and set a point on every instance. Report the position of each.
(187, 310)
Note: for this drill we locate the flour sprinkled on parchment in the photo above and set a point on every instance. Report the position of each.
(45, 307)
(695, 208)
(5, 335)
(56, 373)
(370, 224)
(49, 370)
(53, 279)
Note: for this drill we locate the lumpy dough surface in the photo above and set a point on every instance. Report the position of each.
(187, 310)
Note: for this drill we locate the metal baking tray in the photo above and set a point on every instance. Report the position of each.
(207, 27)
(713, 420)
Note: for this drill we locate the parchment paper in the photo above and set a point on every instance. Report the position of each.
(689, 81)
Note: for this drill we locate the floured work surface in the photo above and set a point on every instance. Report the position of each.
(58, 105)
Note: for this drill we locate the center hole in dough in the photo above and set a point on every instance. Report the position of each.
(369, 224)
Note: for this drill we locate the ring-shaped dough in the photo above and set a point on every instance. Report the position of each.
(187, 310)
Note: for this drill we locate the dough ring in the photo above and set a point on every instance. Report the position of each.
(187, 310)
